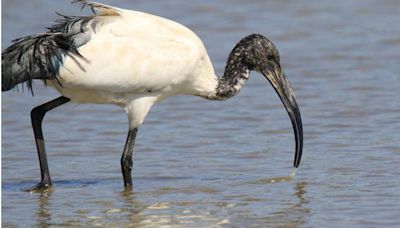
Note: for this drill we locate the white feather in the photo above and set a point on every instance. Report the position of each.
(135, 60)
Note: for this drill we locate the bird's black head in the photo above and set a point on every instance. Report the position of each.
(256, 52)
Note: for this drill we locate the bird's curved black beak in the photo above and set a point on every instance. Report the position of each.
(279, 81)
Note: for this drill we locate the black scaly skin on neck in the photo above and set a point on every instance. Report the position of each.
(236, 73)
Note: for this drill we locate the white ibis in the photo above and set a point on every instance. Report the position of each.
(134, 60)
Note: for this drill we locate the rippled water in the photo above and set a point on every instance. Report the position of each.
(200, 163)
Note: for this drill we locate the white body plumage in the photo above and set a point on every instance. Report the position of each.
(124, 56)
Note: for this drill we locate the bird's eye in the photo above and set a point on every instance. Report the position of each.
(270, 57)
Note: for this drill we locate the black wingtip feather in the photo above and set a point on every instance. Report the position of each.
(36, 57)
(41, 56)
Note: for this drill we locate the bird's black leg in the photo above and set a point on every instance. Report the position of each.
(126, 159)
(37, 115)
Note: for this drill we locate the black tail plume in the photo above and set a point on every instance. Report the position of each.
(36, 57)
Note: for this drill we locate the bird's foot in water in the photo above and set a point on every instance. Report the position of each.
(42, 186)
(127, 188)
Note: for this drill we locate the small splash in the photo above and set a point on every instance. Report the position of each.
(284, 179)
(277, 179)
(293, 174)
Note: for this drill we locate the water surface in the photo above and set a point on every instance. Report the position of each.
(207, 164)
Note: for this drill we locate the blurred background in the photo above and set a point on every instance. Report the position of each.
(199, 163)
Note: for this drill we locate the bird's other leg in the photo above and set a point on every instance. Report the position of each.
(37, 115)
(126, 159)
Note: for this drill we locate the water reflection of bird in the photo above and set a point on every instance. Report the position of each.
(44, 214)
(294, 215)
(134, 60)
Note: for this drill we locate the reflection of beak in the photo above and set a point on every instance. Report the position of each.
(281, 85)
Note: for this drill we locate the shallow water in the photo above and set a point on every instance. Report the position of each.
(214, 166)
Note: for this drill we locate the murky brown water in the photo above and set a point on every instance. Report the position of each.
(208, 164)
